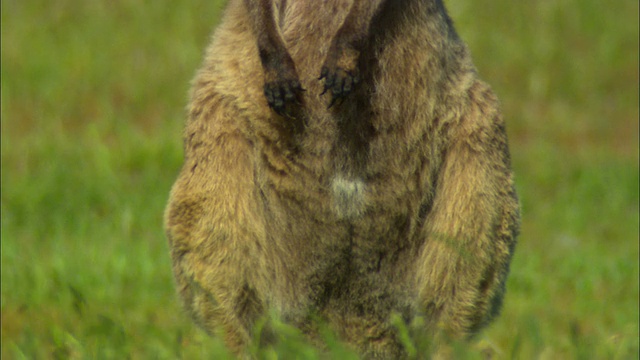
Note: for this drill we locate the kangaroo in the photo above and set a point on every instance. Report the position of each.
(343, 160)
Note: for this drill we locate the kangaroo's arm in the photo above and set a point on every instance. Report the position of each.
(340, 70)
(282, 84)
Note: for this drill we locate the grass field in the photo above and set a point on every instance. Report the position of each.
(93, 94)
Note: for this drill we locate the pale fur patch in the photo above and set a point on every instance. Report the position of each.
(348, 197)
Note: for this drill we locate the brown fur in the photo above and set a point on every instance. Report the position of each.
(399, 199)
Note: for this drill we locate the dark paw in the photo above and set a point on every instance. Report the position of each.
(280, 94)
(339, 81)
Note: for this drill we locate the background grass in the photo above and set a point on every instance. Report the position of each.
(92, 110)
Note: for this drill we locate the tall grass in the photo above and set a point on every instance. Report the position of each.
(92, 110)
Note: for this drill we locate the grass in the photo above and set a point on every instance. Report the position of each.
(92, 104)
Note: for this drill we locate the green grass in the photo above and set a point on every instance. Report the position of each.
(93, 94)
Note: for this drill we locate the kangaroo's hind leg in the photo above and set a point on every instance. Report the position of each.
(214, 228)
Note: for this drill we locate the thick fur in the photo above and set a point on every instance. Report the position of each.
(398, 199)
